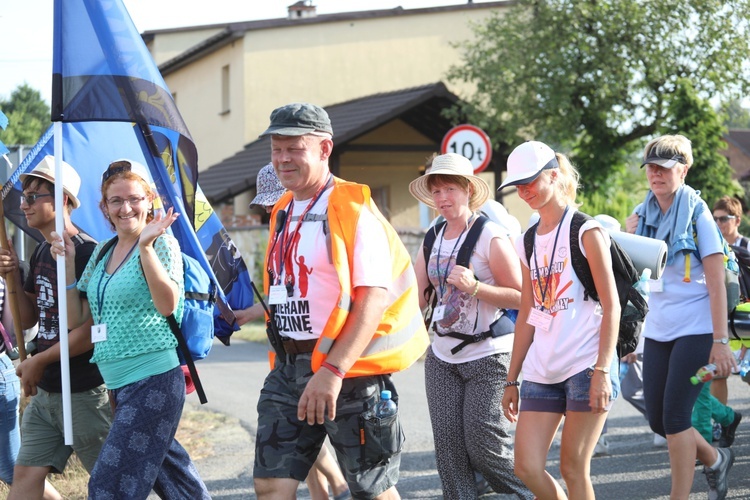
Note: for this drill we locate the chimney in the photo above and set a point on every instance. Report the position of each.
(301, 10)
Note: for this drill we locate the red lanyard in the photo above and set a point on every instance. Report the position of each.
(282, 255)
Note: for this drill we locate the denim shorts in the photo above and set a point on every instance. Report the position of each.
(569, 395)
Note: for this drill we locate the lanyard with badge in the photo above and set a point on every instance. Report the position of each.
(99, 332)
(439, 312)
(539, 318)
(281, 256)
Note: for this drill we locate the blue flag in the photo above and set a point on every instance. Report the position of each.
(3, 125)
(114, 104)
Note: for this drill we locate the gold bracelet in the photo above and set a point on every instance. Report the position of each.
(476, 289)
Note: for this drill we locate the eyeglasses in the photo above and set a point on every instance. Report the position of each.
(119, 202)
(724, 218)
(30, 199)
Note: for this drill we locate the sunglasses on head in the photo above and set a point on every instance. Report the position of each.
(724, 218)
(115, 168)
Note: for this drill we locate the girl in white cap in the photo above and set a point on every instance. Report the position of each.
(468, 359)
(564, 344)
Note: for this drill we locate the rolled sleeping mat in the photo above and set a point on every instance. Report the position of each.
(644, 252)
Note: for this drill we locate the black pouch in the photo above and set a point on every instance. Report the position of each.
(502, 326)
(379, 438)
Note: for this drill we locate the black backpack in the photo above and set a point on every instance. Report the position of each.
(632, 304)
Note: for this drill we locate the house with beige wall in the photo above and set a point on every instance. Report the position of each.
(227, 79)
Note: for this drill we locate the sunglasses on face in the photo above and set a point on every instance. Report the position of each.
(116, 167)
(30, 199)
(725, 218)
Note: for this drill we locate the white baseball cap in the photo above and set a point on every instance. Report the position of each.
(527, 161)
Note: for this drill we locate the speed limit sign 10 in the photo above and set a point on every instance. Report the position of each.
(471, 142)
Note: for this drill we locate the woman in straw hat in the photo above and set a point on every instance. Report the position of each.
(564, 342)
(467, 362)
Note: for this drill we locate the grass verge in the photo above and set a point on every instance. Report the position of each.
(192, 433)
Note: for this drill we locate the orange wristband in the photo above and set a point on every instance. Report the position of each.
(336, 371)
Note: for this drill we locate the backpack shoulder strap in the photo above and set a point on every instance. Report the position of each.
(577, 260)
(528, 242)
(467, 247)
(429, 240)
(112, 242)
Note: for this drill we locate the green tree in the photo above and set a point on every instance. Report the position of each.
(28, 116)
(736, 115)
(594, 77)
(694, 118)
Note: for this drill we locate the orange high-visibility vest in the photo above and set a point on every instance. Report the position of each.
(400, 338)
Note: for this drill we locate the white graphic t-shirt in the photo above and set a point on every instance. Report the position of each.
(572, 342)
(315, 288)
(464, 313)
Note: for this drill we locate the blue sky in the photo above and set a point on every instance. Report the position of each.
(26, 27)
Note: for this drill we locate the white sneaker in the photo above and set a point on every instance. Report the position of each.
(602, 447)
(659, 441)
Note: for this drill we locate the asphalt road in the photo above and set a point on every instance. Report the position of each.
(233, 376)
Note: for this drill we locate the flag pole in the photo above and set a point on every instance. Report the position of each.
(61, 297)
(10, 286)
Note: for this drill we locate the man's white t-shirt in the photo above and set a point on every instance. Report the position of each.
(316, 284)
(572, 342)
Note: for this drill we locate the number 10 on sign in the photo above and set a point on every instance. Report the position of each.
(471, 142)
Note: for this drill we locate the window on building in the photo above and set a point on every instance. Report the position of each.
(225, 90)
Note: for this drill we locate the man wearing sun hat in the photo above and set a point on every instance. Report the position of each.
(344, 316)
(43, 449)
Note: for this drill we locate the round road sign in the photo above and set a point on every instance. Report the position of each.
(471, 142)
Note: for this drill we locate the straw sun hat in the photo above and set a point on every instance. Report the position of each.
(451, 164)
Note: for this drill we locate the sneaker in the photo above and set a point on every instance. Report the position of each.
(717, 479)
(659, 441)
(728, 432)
(602, 447)
(716, 434)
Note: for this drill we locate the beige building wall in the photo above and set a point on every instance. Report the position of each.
(325, 63)
(217, 132)
(171, 43)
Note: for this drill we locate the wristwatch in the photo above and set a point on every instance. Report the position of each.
(722, 340)
(603, 369)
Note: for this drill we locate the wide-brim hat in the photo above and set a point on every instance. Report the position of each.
(45, 169)
(666, 159)
(527, 162)
(451, 164)
(268, 187)
(299, 118)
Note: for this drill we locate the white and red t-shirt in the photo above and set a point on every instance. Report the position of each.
(316, 285)
(571, 344)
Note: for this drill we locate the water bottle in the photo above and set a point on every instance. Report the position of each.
(704, 374)
(386, 407)
(642, 284)
(745, 364)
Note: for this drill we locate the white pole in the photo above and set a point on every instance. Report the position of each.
(61, 298)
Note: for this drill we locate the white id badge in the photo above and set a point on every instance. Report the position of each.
(98, 333)
(539, 319)
(438, 313)
(277, 295)
(656, 285)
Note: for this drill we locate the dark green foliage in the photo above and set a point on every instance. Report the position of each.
(595, 76)
(694, 118)
(28, 116)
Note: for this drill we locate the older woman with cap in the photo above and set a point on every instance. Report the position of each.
(686, 326)
(467, 363)
(129, 288)
(564, 342)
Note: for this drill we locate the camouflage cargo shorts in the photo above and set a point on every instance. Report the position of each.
(368, 449)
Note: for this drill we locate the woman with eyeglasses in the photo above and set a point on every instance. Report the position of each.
(686, 326)
(128, 290)
(728, 215)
